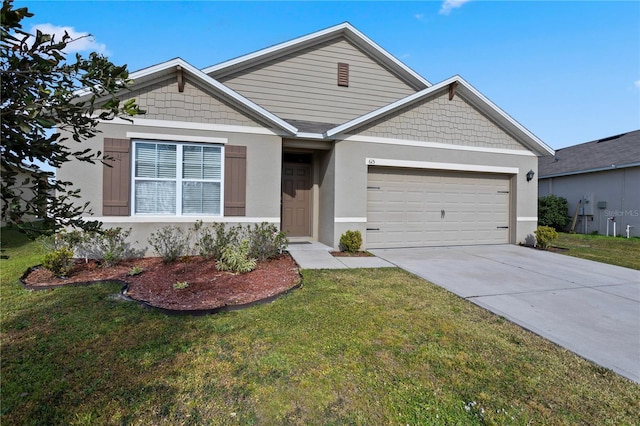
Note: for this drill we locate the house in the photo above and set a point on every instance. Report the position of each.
(601, 182)
(30, 185)
(319, 135)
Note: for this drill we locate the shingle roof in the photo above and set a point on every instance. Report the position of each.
(604, 154)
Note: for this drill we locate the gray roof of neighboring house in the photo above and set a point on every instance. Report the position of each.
(604, 154)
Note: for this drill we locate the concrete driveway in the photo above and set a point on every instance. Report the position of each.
(590, 308)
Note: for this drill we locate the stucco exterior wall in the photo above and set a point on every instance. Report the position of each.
(264, 159)
(619, 189)
(351, 181)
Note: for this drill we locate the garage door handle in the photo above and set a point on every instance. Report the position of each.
(373, 187)
(373, 229)
(502, 227)
(442, 213)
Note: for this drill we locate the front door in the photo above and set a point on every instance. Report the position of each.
(296, 199)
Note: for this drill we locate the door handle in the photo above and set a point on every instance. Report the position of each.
(442, 214)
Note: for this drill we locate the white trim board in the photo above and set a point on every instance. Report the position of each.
(181, 219)
(437, 145)
(175, 138)
(440, 166)
(528, 219)
(167, 124)
(350, 220)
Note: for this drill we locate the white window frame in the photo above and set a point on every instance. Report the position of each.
(179, 144)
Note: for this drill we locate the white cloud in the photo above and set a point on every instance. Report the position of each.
(419, 16)
(83, 41)
(637, 83)
(449, 5)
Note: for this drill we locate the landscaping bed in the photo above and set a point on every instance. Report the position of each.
(191, 284)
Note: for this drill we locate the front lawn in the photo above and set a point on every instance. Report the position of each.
(614, 250)
(375, 346)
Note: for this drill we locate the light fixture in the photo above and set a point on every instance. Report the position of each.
(530, 175)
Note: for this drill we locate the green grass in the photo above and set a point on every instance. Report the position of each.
(375, 346)
(613, 250)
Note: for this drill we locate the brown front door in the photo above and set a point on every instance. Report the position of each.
(296, 199)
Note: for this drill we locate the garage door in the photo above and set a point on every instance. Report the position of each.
(414, 208)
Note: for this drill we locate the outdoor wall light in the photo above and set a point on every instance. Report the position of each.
(530, 175)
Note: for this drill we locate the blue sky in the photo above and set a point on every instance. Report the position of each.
(567, 71)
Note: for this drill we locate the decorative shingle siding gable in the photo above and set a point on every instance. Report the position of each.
(440, 120)
(302, 85)
(163, 101)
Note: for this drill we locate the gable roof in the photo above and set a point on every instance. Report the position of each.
(345, 30)
(170, 67)
(610, 153)
(471, 95)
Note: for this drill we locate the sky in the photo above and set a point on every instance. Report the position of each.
(567, 71)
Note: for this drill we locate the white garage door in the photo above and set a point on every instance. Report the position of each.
(414, 208)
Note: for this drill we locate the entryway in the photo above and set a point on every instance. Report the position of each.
(296, 194)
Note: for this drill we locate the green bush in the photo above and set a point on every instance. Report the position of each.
(110, 246)
(235, 258)
(59, 261)
(553, 211)
(351, 241)
(266, 241)
(170, 243)
(545, 236)
(211, 240)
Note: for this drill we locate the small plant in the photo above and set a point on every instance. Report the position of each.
(170, 242)
(211, 240)
(181, 285)
(265, 241)
(136, 270)
(109, 245)
(235, 258)
(59, 261)
(545, 236)
(351, 241)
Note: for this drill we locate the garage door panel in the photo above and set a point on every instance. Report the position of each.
(405, 208)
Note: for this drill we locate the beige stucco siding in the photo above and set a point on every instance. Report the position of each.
(303, 85)
(263, 177)
(162, 101)
(439, 119)
(351, 181)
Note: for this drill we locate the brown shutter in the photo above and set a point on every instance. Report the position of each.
(235, 180)
(343, 74)
(116, 181)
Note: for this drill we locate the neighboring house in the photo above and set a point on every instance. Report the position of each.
(319, 135)
(29, 183)
(601, 182)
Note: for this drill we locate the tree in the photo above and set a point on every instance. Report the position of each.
(45, 93)
(553, 211)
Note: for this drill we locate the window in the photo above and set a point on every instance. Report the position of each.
(177, 179)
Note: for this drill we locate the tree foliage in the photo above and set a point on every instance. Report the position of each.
(46, 94)
(553, 211)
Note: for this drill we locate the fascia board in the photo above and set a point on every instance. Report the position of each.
(470, 93)
(611, 168)
(346, 29)
(230, 94)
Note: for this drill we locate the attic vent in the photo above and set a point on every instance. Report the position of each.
(610, 138)
(343, 74)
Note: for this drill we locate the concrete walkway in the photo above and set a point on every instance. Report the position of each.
(314, 255)
(590, 308)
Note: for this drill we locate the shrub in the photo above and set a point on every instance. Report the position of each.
(211, 240)
(235, 258)
(109, 245)
(170, 242)
(351, 241)
(180, 285)
(545, 236)
(553, 211)
(265, 241)
(59, 261)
